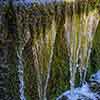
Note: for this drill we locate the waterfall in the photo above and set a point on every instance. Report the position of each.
(50, 40)
(80, 26)
(79, 33)
(53, 37)
(91, 25)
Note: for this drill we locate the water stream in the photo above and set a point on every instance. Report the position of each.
(79, 32)
(20, 73)
(50, 40)
(23, 36)
(20, 64)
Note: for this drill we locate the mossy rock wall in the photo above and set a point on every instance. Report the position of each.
(8, 69)
(36, 19)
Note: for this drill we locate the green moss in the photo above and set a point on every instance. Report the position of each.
(95, 56)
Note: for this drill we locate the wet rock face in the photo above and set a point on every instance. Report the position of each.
(95, 77)
(64, 98)
(94, 82)
(80, 98)
(89, 91)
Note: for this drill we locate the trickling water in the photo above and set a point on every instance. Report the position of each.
(91, 25)
(79, 33)
(37, 70)
(20, 74)
(53, 37)
(23, 36)
(20, 64)
(50, 40)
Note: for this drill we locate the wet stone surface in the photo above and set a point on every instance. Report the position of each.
(89, 91)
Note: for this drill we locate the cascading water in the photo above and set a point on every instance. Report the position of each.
(79, 33)
(80, 26)
(20, 64)
(91, 25)
(50, 40)
(23, 35)
(53, 37)
(20, 73)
